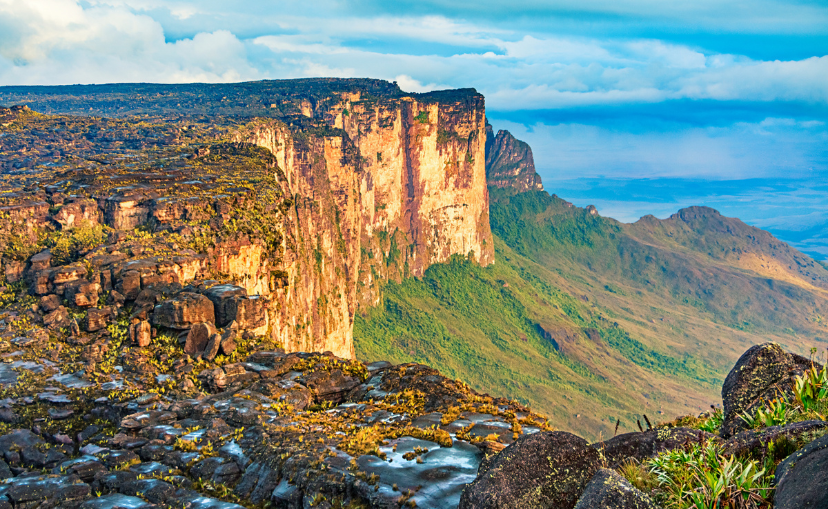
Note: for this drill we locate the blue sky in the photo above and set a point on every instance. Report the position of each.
(631, 92)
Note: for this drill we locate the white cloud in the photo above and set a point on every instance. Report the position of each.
(61, 42)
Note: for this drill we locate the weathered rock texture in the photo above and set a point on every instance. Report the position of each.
(509, 163)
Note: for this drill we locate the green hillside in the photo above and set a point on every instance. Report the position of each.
(589, 319)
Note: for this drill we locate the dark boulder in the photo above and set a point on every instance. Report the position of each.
(49, 303)
(48, 491)
(647, 444)
(199, 338)
(608, 490)
(757, 441)
(763, 372)
(329, 385)
(223, 299)
(541, 471)
(97, 319)
(184, 311)
(802, 479)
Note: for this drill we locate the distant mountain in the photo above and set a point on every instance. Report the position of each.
(509, 162)
(590, 319)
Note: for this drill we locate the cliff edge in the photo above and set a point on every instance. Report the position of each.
(359, 183)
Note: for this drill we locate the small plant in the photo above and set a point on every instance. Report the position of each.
(777, 412)
(638, 474)
(422, 117)
(811, 388)
(713, 422)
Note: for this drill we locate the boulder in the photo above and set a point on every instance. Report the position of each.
(129, 284)
(608, 490)
(140, 333)
(49, 303)
(78, 212)
(645, 445)
(184, 311)
(85, 295)
(198, 338)
(41, 261)
(763, 372)
(125, 212)
(47, 491)
(329, 385)
(97, 319)
(544, 470)
(296, 395)
(212, 348)
(68, 273)
(802, 478)
(757, 441)
(117, 501)
(228, 345)
(223, 299)
(57, 318)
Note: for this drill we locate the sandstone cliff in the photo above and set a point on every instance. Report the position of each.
(509, 163)
(362, 184)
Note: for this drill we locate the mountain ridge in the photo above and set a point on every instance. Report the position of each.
(668, 303)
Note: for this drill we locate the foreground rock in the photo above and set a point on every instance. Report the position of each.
(608, 490)
(802, 479)
(763, 373)
(540, 471)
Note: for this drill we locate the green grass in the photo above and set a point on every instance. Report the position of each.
(587, 319)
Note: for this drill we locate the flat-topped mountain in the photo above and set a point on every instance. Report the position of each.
(345, 184)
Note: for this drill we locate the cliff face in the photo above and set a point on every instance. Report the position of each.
(509, 163)
(370, 184)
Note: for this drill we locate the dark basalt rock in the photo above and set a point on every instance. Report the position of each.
(756, 441)
(802, 479)
(223, 298)
(763, 372)
(608, 490)
(541, 471)
(645, 445)
(46, 491)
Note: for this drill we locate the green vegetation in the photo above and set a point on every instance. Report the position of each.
(704, 478)
(422, 117)
(494, 328)
(588, 319)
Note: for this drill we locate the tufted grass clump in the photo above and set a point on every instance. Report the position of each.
(709, 421)
(702, 477)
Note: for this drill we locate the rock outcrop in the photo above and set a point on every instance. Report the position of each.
(802, 478)
(509, 163)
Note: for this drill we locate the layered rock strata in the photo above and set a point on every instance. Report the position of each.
(510, 163)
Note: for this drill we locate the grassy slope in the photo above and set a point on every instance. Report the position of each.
(588, 319)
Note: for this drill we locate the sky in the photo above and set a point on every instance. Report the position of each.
(637, 106)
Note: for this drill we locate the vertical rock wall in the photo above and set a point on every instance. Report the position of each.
(396, 185)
